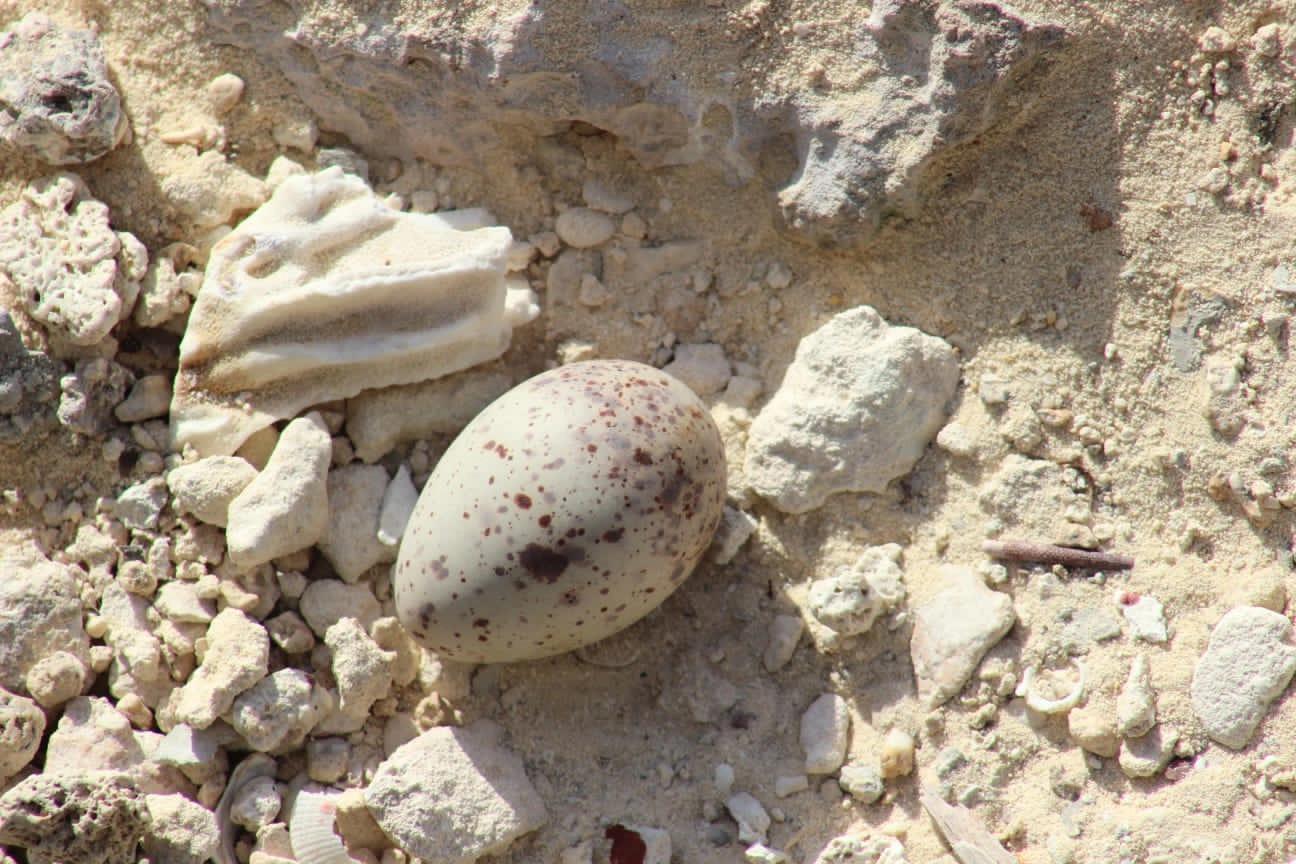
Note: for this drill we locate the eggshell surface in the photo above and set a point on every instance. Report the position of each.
(567, 510)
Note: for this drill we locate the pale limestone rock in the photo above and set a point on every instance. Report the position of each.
(362, 671)
(703, 367)
(149, 398)
(1248, 663)
(583, 228)
(784, 633)
(753, 821)
(1136, 704)
(953, 631)
(205, 488)
(285, 508)
(180, 831)
(238, 651)
(857, 407)
(485, 800)
(56, 678)
(825, 734)
(350, 542)
(40, 613)
(275, 715)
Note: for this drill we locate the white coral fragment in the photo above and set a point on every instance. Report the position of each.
(325, 291)
(75, 274)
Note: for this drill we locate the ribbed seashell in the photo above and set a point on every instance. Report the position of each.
(325, 291)
(310, 829)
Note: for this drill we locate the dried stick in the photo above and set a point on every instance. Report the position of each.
(1047, 553)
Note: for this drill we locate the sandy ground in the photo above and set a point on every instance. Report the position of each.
(1056, 258)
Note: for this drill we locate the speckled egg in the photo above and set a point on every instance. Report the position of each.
(566, 511)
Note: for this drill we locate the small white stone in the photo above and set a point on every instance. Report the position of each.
(56, 678)
(140, 506)
(355, 498)
(953, 631)
(1136, 704)
(179, 831)
(790, 785)
(326, 759)
(22, 725)
(724, 779)
(327, 601)
(759, 853)
(583, 228)
(362, 671)
(205, 488)
(275, 715)
(179, 601)
(753, 821)
(784, 633)
(238, 653)
(703, 367)
(862, 782)
(825, 733)
(1148, 754)
(1146, 617)
(397, 505)
(736, 528)
(149, 398)
(224, 92)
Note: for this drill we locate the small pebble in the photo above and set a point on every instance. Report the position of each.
(583, 228)
(825, 729)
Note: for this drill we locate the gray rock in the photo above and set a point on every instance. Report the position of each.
(862, 782)
(1248, 662)
(945, 73)
(94, 818)
(953, 631)
(856, 409)
(40, 613)
(825, 734)
(140, 506)
(28, 386)
(56, 101)
(90, 394)
(482, 799)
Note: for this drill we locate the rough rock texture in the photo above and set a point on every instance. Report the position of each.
(92, 735)
(953, 631)
(86, 818)
(22, 724)
(286, 507)
(73, 273)
(350, 542)
(238, 651)
(205, 488)
(848, 602)
(363, 673)
(1249, 661)
(276, 714)
(481, 798)
(936, 75)
(180, 831)
(327, 601)
(56, 101)
(28, 386)
(40, 613)
(856, 409)
(89, 395)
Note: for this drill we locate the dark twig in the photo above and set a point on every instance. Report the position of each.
(1047, 553)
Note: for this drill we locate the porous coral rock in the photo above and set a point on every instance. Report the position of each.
(91, 818)
(857, 407)
(22, 724)
(40, 613)
(238, 651)
(73, 273)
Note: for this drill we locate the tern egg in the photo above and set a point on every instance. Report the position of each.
(567, 510)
